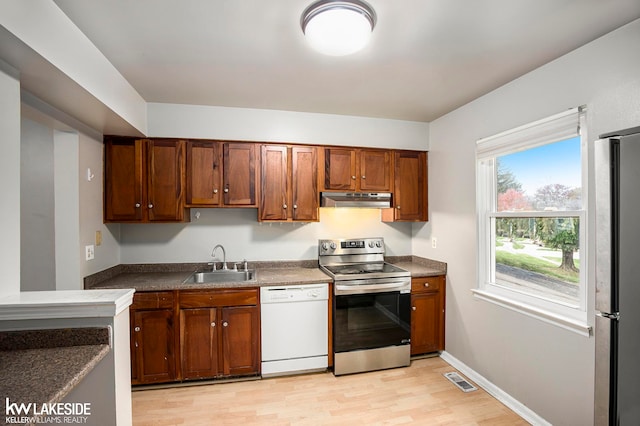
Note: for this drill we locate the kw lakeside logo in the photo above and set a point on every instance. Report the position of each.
(55, 413)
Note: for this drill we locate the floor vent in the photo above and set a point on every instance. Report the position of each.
(457, 380)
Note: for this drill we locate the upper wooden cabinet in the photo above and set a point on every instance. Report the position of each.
(376, 172)
(204, 173)
(239, 168)
(144, 180)
(157, 180)
(348, 169)
(289, 190)
(410, 199)
(221, 174)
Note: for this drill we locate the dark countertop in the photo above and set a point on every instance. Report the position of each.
(419, 266)
(43, 366)
(170, 276)
(155, 277)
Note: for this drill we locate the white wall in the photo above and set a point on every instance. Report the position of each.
(107, 254)
(546, 368)
(62, 207)
(10, 176)
(244, 238)
(194, 121)
(37, 243)
(66, 211)
(52, 35)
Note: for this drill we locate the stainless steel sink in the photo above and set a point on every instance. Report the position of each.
(221, 276)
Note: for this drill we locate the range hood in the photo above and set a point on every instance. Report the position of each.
(371, 200)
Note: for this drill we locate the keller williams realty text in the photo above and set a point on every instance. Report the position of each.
(17, 420)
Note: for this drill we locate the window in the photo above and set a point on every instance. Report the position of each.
(531, 199)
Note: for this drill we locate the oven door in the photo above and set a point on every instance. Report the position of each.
(371, 320)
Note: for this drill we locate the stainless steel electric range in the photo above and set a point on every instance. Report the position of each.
(371, 306)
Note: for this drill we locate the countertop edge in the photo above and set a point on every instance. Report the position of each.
(80, 375)
(108, 302)
(169, 277)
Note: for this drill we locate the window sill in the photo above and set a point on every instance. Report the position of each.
(542, 315)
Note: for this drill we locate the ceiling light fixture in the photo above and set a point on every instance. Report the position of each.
(338, 28)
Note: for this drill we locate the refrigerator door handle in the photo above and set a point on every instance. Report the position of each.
(612, 316)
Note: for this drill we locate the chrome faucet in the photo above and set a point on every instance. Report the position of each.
(224, 256)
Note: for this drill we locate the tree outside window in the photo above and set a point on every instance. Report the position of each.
(537, 232)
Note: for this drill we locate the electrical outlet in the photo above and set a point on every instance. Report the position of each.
(89, 252)
(434, 242)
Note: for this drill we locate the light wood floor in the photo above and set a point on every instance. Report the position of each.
(419, 394)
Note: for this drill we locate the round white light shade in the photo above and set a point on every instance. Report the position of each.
(338, 31)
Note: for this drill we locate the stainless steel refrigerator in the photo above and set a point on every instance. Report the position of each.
(617, 326)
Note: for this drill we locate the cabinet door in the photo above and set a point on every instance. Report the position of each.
(204, 173)
(240, 340)
(199, 343)
(274, 195)
(410, 189)
(340, 169)
(154, 345)
(425, 323)
(239, 174)
(304, 183)
(165, 193)
(375, 171)
(427, 315)
(133, 346)
(123, 186)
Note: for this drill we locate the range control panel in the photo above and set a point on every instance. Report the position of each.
(351, 246)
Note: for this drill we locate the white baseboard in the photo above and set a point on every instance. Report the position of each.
(515, 405)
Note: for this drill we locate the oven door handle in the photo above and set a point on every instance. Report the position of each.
(402, 286)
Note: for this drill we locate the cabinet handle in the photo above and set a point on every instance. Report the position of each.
(136, 343)
(137, 329)
(364, 177)
(284, 206)
(215, 191)
(137, 205)
(426, 285)
(295, 206)
(225, 324)
(213, 324)
(413, 308)
(226, 190)
(398, 207)
(353, 177)
(150, 205)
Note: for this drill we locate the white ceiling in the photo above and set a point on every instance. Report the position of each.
(425, 58)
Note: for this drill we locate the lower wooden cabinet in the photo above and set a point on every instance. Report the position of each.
(427, 315)
(194, 334)
(199, 342)
(152, 338)
(240, 340)
(217, 342)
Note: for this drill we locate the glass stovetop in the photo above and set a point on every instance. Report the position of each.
(364, 268)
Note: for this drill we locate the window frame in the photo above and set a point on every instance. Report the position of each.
(552, 129)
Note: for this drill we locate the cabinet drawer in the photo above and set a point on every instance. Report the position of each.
(152, 300)
(213, 298)
(427, 284)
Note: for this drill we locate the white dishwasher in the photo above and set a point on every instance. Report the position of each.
(294, 328)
